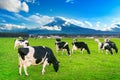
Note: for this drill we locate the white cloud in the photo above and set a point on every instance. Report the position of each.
(57, 28)
(36, 20)
(111, 25)
(98, 24)
(3, 21)
(14, 5)
(70, 1)
(106, 28)
(8, 16)
(18, 16)
(73, 21)
(36, 2)
(41, 20)
(89, 23)
(24, 7)
(76, 22)
(11, 26)
(31, 1)
(66, 24)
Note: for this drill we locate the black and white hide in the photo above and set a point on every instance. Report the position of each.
(61, 45)
(21, 43)
(111, 44)
(29, 55)
(80, 45)
(107, 48)
(100, 45)
(104, 46)
(36, 55)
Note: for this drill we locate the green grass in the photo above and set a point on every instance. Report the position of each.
(96, 66)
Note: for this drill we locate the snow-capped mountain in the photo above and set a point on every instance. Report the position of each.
(62, 25)
(59, 25)
(116, 29)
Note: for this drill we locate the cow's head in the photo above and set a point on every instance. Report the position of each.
(75, 40)
(56, 66)
(58, 39)
(25, 43)
(106, 40)
(20, 43)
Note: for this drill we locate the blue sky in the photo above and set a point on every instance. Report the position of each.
(95, 14)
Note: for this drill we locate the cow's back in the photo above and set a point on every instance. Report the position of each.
(80, 44)
(39, 53)
(61, 44)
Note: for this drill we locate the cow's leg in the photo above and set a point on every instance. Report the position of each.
(44, 65)
(106, 51)
(20, 65)
(63, 50)
(25, 69)
(83, 50)
(57, 49)
(72, 50)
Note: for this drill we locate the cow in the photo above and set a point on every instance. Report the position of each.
(35, 55)
(111, 44)
(107, 46)
(80, 45)
(100, 45)
(61, 45)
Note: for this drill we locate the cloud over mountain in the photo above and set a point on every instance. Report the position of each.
(49, 25)
(11, 27)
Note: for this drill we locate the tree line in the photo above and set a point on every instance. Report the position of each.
(10, 34)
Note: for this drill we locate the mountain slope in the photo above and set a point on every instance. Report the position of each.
(69, 28)
(59, 26)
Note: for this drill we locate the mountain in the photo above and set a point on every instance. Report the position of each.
(116, 29)
(59, 25)
(70, 28)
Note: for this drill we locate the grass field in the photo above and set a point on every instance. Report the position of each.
(96, 66)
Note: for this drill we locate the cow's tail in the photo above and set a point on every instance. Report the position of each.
(86, 47)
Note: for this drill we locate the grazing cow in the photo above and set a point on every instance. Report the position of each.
(35, 55)
(107, 47)
(100, 45)
(60, 45)
(112, 44)
(80, 45)
(104, 46)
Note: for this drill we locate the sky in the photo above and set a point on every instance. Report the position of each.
(94, 14)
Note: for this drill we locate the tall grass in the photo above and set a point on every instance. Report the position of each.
(96, 66)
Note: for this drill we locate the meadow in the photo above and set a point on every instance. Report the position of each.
(96, 66)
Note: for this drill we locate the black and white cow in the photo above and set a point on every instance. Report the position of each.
(111, 44)
(34, 55)
(80, 45)
(61, 45)
(100, 45)
(107, 45)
